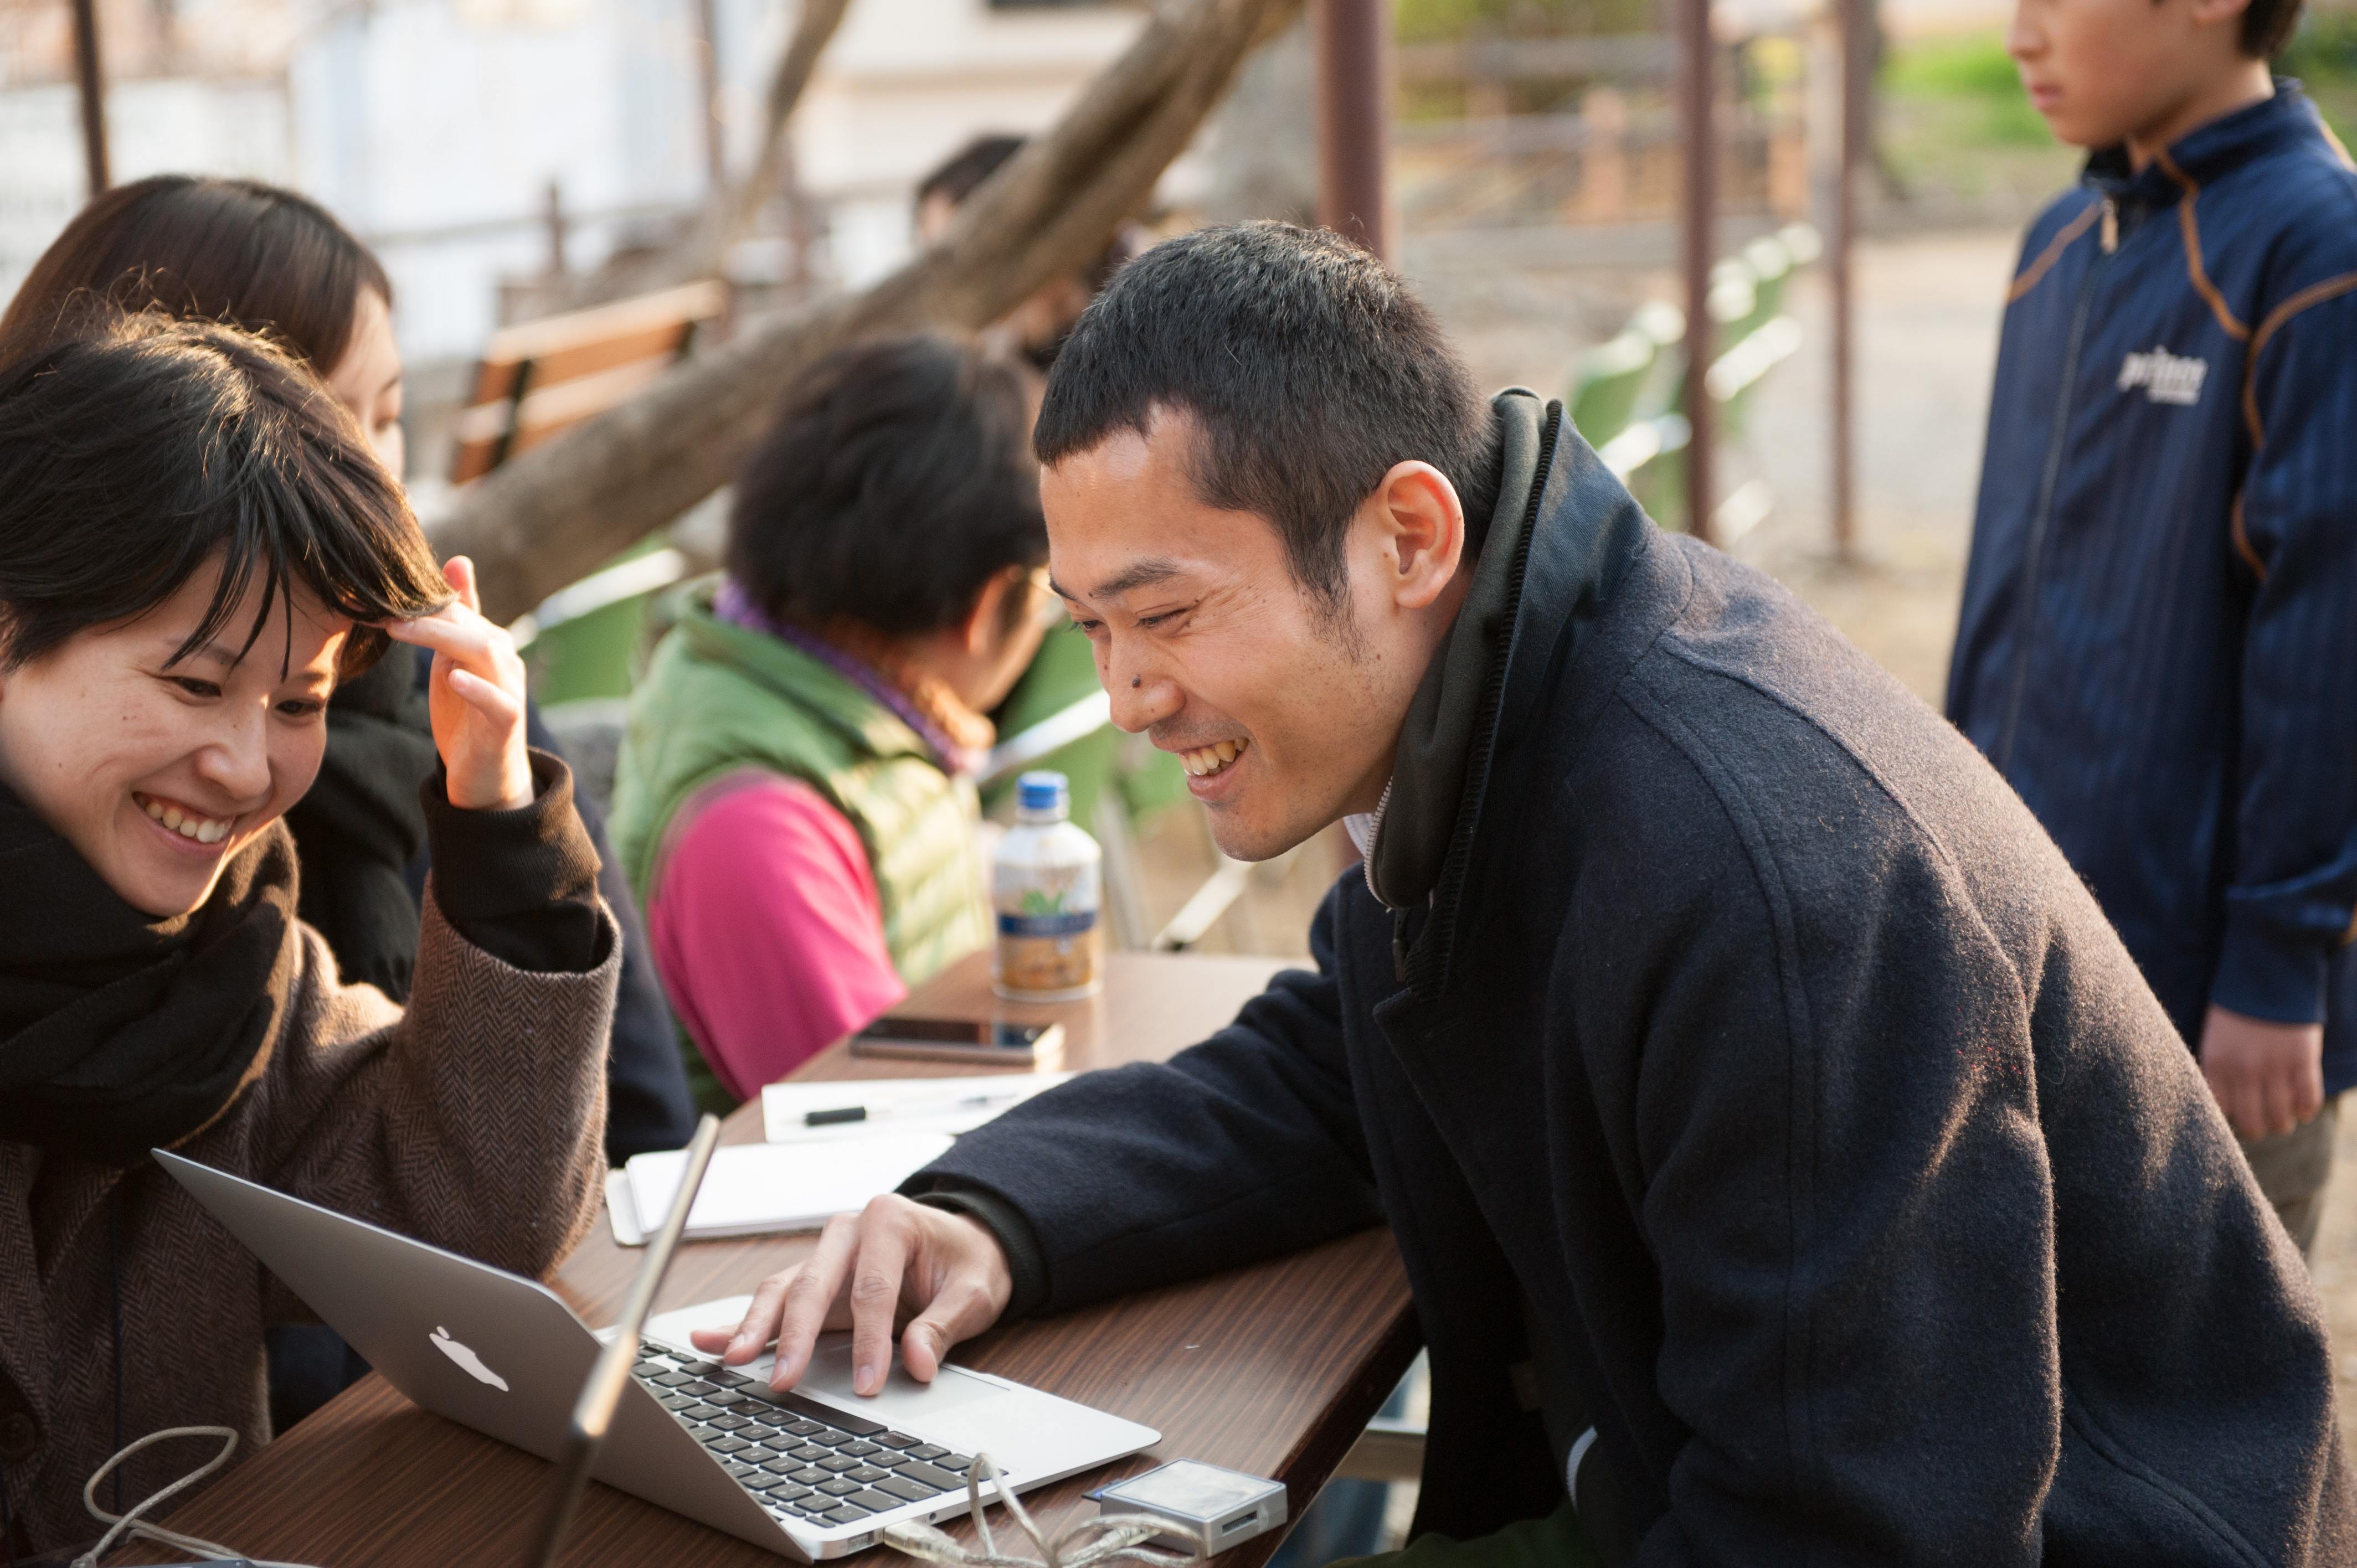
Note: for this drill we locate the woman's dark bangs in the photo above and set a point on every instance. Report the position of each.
(245, 549)
(276, 533)
(355, 545)
(143, 451)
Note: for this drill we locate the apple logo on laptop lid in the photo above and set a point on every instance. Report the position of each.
(468, 1360)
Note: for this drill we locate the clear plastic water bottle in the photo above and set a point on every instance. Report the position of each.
(1045, 882)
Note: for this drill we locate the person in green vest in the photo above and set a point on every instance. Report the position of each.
(794, 802)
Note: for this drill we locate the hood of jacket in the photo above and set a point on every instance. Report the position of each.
(1420, 806)
(1562, 536)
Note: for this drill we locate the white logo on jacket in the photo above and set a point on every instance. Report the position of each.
(2165, 377)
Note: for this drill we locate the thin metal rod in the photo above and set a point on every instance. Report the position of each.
(593, 1412)
(1700, 134)
(716, 144)
(1854, 65)
(90, 73)
(1353, 39)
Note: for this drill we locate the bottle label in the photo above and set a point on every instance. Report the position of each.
(1065, 925)
(1047, 937)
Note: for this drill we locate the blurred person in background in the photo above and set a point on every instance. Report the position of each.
(1038, 327)
(272, 260)
(2158, 640)
(1063, 673)
(196, 548)
(793, 799)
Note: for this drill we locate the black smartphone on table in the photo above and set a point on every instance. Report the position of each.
(976, 1042)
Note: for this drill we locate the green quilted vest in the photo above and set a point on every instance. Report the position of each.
(717, 699)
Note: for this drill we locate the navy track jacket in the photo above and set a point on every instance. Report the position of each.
(2158, 644)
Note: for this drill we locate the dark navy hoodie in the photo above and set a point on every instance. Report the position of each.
(2159, 643)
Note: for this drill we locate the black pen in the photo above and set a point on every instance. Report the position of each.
(843, 1114)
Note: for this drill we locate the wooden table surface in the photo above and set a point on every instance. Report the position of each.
(1271, 1369)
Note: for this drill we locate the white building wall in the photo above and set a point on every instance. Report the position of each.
(238, 127)
(435, 127)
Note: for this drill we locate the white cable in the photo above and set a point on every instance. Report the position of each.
(131, 1523)
(1119, 1537)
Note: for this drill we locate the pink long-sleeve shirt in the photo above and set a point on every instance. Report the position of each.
(767, 928)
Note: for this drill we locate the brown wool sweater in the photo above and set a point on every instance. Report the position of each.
(473, 1121)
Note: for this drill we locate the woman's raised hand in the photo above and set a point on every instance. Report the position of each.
(477, 697)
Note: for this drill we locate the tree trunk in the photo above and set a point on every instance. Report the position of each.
(559, 510)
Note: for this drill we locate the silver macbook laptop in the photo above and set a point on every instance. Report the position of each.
(816, 1472)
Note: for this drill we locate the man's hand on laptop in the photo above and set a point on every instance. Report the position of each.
(942, 1270)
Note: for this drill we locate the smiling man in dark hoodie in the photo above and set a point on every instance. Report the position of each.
(1789, 1162)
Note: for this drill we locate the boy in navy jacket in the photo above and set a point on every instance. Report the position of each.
(2159, 643)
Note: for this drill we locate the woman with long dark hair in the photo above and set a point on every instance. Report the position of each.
(197, 547)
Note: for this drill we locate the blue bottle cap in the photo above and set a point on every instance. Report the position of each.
(1043, 791)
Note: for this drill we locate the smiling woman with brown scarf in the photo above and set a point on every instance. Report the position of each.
(196, 546)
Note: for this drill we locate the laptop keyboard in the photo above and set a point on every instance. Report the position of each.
(799, 1459)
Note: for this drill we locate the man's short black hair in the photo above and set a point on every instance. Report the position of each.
(895, 485)
(1310, 371)
(2268, 26)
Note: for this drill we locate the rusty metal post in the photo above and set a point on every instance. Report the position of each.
(1855, 64)
(1353, 39)
(1696, 91)
(90, 74)
(554, 225)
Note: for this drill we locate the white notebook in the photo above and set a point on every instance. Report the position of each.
(755, 1189)
(893, 1106)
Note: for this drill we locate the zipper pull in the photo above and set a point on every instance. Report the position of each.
(2111, 225)
(1399, 946)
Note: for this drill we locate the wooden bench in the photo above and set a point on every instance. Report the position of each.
(539, 378)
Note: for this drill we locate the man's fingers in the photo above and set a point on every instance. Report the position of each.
(2308, 1091)
(876, 1281)
(2248, 1108)
(2239, 1089)
(759, 1324)
(962, 1310)
(2276, 1097)
(808, 1295)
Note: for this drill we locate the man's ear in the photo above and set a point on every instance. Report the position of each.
(1421, 524)
(2210, 13)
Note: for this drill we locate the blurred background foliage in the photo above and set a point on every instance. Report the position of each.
(2323, 55)
(1449, 21)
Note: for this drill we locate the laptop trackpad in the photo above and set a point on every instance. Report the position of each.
(904, 1400)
